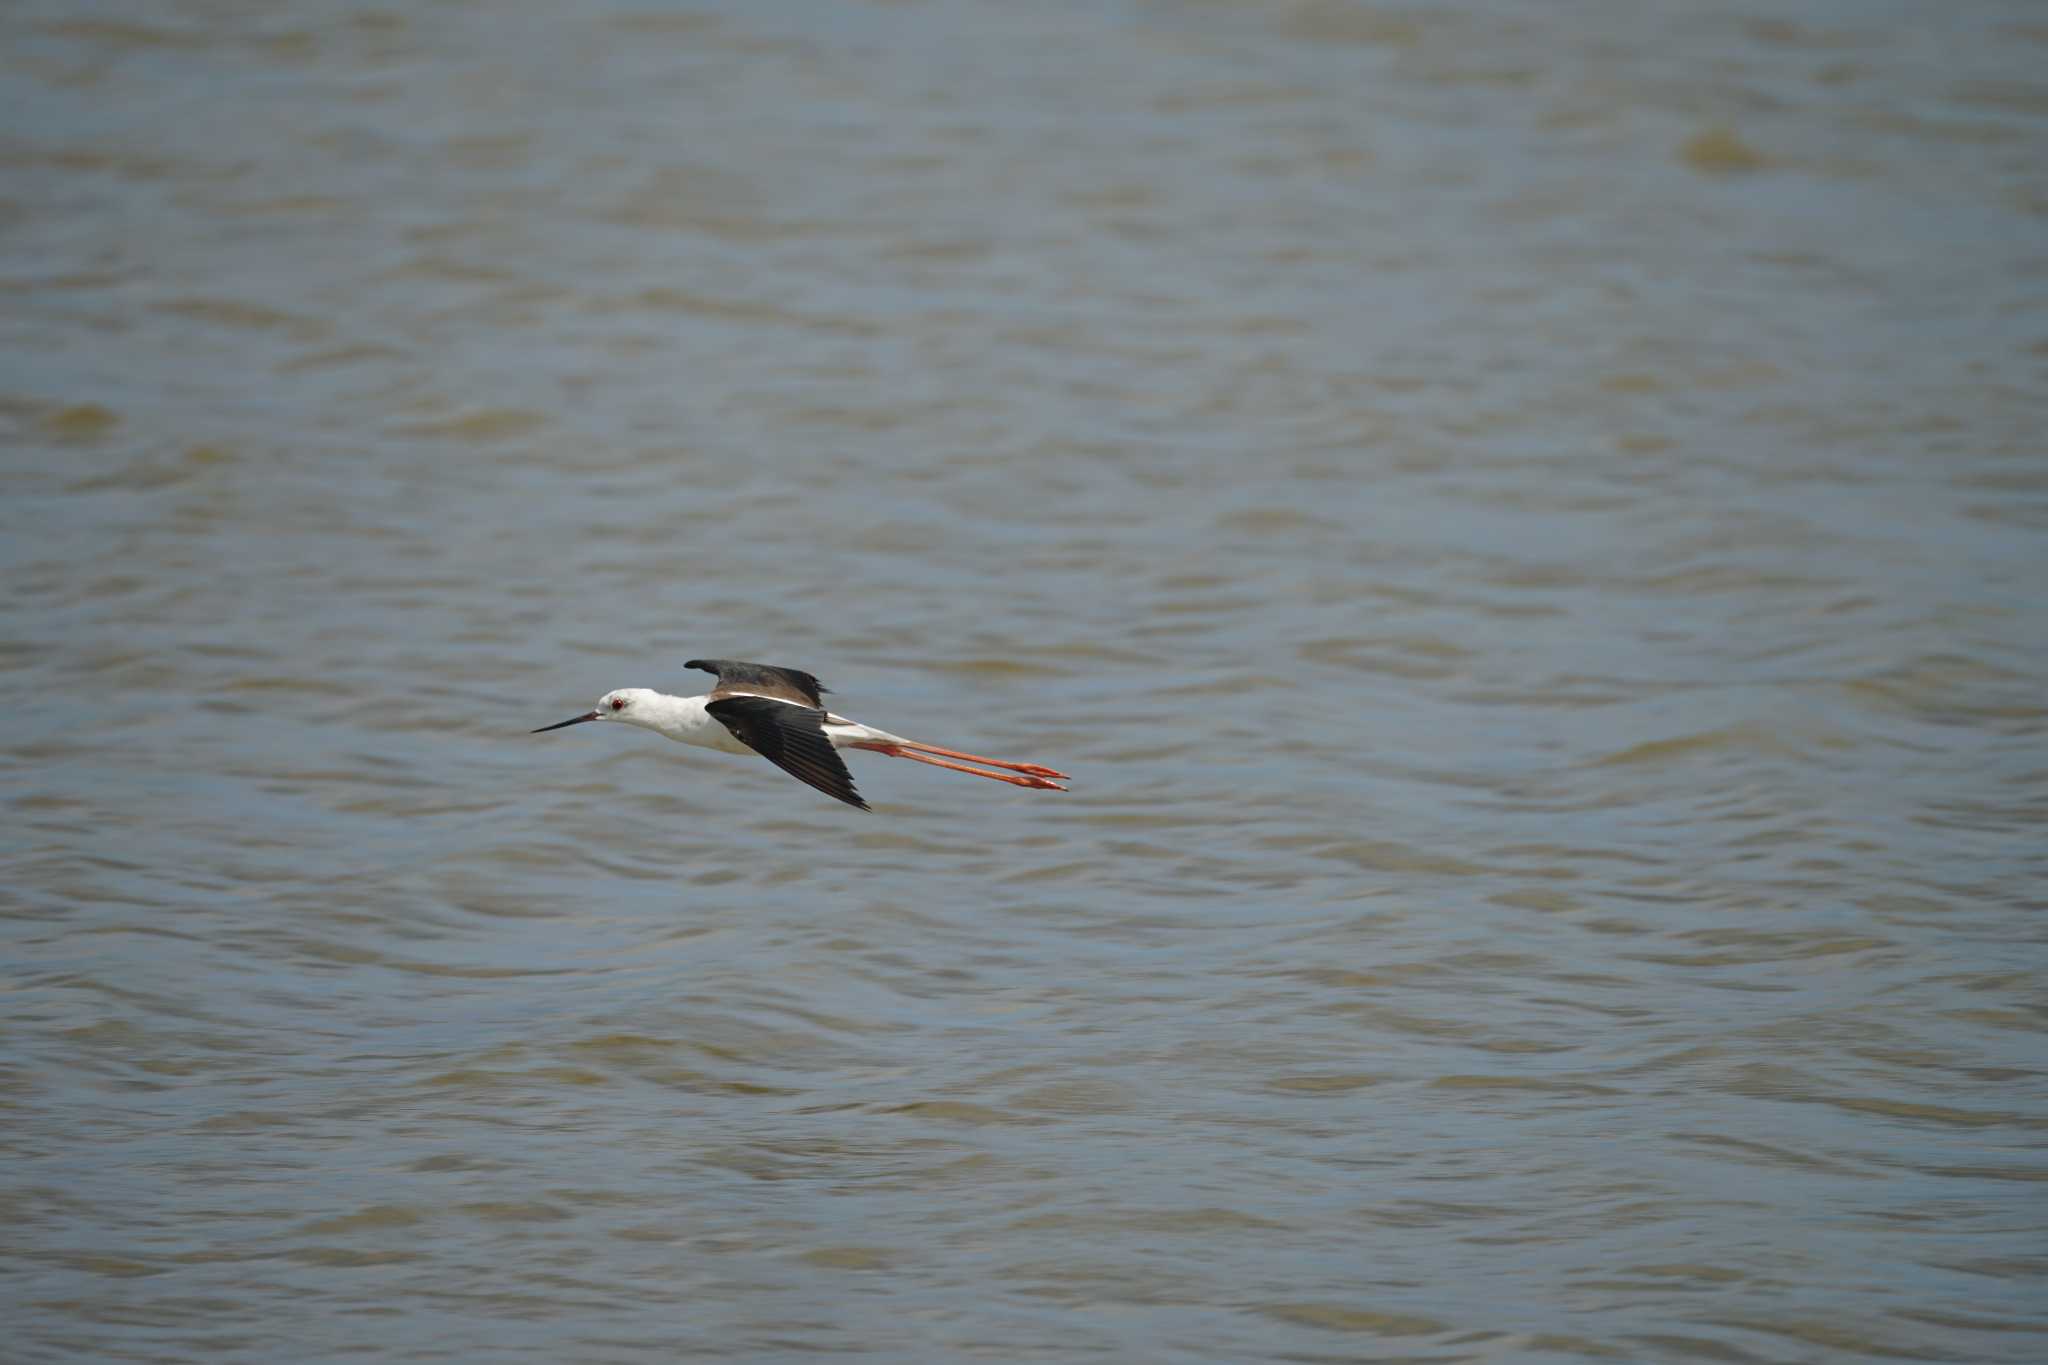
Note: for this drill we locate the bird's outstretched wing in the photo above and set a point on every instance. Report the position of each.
(762, 680)
(791, 737)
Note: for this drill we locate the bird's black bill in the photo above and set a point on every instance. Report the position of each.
(573, 720)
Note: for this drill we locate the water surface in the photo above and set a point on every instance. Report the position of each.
(1525, 523)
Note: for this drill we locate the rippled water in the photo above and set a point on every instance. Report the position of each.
(1526, 524)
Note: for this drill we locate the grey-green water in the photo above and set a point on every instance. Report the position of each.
(1526, 524)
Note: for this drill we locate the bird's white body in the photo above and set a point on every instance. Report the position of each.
(687, 721)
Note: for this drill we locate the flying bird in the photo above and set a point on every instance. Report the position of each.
(779, 713)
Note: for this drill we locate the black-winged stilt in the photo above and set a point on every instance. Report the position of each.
(778, 713)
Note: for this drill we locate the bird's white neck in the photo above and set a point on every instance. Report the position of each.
(682, 719)
(676, 717)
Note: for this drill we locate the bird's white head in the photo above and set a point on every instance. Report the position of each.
(630, 704)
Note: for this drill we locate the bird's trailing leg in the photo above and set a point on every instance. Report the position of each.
(906, 750)
(1033, 769)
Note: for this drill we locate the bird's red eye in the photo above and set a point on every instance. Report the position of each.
(618, 703)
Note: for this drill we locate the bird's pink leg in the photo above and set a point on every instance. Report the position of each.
(1035, 769)
(904, 751)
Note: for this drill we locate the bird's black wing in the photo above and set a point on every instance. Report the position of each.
(792, 738)
(766, 680)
